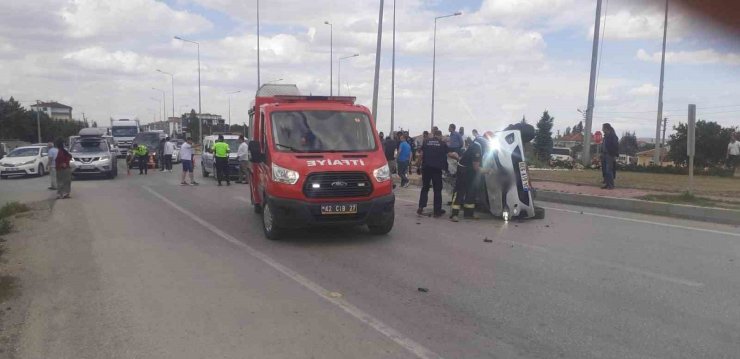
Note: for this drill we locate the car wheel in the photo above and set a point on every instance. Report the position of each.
(272, 232)
(40, 171)
(383, 227)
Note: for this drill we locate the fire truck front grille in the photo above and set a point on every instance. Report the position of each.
(337, 184)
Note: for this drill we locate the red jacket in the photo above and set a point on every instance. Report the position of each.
(62, 160)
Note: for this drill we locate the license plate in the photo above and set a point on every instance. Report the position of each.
(338, 208)
(87, 167)
(525, 175)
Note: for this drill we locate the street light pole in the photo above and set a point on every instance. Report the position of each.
(393, 69)
(331, 57)
(164, 102)
(38, 120)
(656, 157)
(258, 46)
(172, 77)
(200, 109)
(592, 89)
(339, 72)
(434, 57)
(376, 82)
(229, 96)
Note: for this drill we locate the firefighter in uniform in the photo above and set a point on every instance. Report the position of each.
(465, 187)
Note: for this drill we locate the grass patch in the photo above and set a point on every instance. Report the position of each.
(8, 286)
(5, 226)
(703, 185)
(12, 208)
(690, 199)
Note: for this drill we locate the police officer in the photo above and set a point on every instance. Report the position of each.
(433, 161)
(221, 152)
(142, 155)
(465, 187)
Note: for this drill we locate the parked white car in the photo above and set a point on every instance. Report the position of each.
(25, 161)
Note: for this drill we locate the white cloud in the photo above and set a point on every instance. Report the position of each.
(644, 90)
(698, 57)
(99, 18)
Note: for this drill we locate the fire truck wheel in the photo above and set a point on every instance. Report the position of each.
(382, 227)
(272, 232)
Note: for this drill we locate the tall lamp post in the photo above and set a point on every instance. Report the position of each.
(393, 69)
(331, 57)
(164, 102)
(200, 109)
(229, 96)
(258, 46)
(172, 77)
(160, 105)
(38, 120)
(434, 57)
(339, 72)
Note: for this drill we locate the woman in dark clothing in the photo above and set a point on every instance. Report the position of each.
(609, 154)
(64, 172)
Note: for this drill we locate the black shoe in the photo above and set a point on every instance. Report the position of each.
(420, 211)
(440, 213)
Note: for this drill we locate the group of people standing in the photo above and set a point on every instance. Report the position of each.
(434, 157)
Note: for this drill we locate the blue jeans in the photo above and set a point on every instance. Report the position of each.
(403, 171)
(607, 165)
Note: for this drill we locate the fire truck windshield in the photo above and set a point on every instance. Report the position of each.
(322, 131)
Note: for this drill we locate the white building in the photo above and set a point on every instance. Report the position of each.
(55, 110)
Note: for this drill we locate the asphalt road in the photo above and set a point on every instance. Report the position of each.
(140, 267)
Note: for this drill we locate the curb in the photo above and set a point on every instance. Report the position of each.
(706, 214)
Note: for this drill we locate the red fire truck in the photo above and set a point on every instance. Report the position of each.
(316, 161)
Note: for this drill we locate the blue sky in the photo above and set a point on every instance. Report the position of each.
(502, 59)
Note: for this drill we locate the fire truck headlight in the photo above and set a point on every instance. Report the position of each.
(382, 174)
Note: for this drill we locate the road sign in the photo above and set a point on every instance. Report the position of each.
(598, 137)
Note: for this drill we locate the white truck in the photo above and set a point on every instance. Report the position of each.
(123, 131)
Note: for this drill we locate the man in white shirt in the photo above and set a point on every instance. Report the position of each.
(243, 155)
(733, 152)
(53, 151)
(187, 156)
(169, 149)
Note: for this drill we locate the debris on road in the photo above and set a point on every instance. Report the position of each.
(423, 290)
(486, 240)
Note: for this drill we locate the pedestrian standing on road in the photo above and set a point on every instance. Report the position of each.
(404, 159)
(221, 153)
(64, 173)
(53, 151)
(465, 192)
(609, 154)
(389, 147)
(160, 154)
(169, 150)
(433, 161)
(455, 142)
(381, 135)
(187, 158)
(142, 156)
(242, 154)
(733, 152)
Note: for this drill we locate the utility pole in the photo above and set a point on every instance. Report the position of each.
(377, 65)
(592, 88)
(393, 69)
(656, 159)
(38, 120)
(665, 122)
(331, 57)
(258, 45)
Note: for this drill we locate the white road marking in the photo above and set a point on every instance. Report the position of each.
(597, 261)
(647, 222)
(415, 348)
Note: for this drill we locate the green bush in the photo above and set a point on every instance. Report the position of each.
(12, 208)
